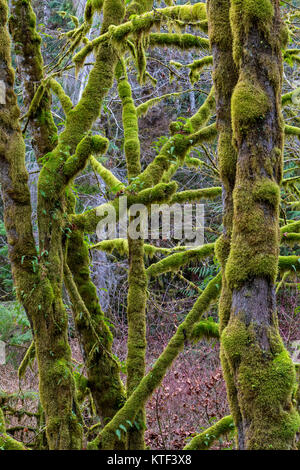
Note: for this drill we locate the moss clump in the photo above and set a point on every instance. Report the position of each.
(222, 249)
(205, 329)
(249, 104)
(190, 13)
(267, 191)
(265, 379)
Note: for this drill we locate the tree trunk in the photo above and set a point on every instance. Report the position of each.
(260, 374)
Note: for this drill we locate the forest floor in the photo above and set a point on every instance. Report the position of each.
(192, 395)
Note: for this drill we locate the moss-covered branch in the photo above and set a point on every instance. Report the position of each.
(90, 144)
(206, 439)
(288, 98)
(158, 194)
(154, 377)
(64, 99)
(6, 441)
(137, 279)
(103, 371)
(111, 181)
(292, 130)
(143, 24)
(194, 195)
(181, 41)
(177, 260)
(27, 43)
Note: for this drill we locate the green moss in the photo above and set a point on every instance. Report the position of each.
(205, 111)
(287, 98)
(63, 98)
(109, 179)
(249, 105)
(90, 144)
(205, 329)
(154, 377)
(205, 440)
(190, 13)
(265, 380)
(27, 360)
(267, 191)
(227, 157)
(222, 249)
(291, 130)
(243, 14)
(181, 41)
(194, 195)
(176, 261)
(6, 441)
(96, 338)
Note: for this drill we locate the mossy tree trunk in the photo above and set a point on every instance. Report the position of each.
(225, 77)
(259, 372)
(137, 280)
(27, 45)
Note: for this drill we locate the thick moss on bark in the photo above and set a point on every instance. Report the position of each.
(137, 280)
(103, 371)
(225, 78)
(27, 43)
(259, 372)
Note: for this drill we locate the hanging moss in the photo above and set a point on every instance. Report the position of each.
(27, 360)
(205, 329)
(64, 99)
